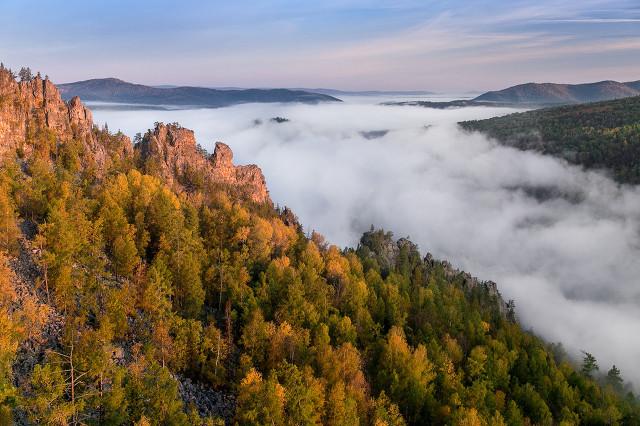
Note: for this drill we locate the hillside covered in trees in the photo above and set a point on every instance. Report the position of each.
(553, 93)
(602, 135)
(157, 285)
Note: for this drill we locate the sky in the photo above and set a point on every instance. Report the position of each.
(561, 242)
(443, 46)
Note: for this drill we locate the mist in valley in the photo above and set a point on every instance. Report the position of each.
(561, 242)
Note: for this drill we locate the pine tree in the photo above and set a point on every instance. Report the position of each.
(25, 74)
(189, 294)
(614, 378)
(157, 290)
(125, 254)
(589, 365)
(47, 403)
(10, 337)
(8, 227)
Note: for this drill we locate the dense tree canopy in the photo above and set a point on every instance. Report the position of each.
(602, 135)
(138, 287)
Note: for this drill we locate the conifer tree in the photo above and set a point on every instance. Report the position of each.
(614, 378)
(589, 365)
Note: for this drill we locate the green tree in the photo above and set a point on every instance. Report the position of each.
(304, 395)
(386, 413)
(406, 374)
(260, 402)
(614, 378)
(341, 408)
(9, 232)
(157, 292)
(189, 294)
(47, 403)
(589, 365)
(25, 74)
(153, 393)
(10, 337)
(125, 254)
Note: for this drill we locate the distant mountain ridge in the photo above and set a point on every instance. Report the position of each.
(538, 95)
(552, 93)
(119, 91)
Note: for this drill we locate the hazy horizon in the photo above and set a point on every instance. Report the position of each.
(349, 45)
(339, 89)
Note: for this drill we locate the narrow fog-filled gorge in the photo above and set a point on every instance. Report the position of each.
(560, 241)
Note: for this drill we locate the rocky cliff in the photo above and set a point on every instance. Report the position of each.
(171, 151)
(35, 105)
(38, 100)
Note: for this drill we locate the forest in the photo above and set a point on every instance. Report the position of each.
(602, 135)
(117, 291)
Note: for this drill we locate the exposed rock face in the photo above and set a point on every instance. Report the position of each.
(470, 282)
(222, 156)
(36, 104)
(79, 115)
(171, 151)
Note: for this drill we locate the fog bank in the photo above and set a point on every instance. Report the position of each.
(562, 242)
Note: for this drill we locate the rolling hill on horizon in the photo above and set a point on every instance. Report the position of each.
(114, 90)
(539, 95)
(553, 93)
(119, 91)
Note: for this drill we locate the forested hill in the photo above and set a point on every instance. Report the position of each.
(602, 135)
(552, 93)
(115, 90)
(538, 95)
(155, 284)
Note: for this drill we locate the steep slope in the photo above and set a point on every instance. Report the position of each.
(550, 93)
(115, 90)
(145, 295)
(603, 135)
(35, 105)
(32, 115)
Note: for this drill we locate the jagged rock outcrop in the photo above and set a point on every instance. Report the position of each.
(171, 152)
(469, 281)
(35, 104)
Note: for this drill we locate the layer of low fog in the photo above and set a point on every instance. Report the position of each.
(563, 243)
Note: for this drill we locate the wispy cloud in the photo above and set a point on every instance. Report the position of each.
(592, 21)
(457, 41)
(359, 44)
